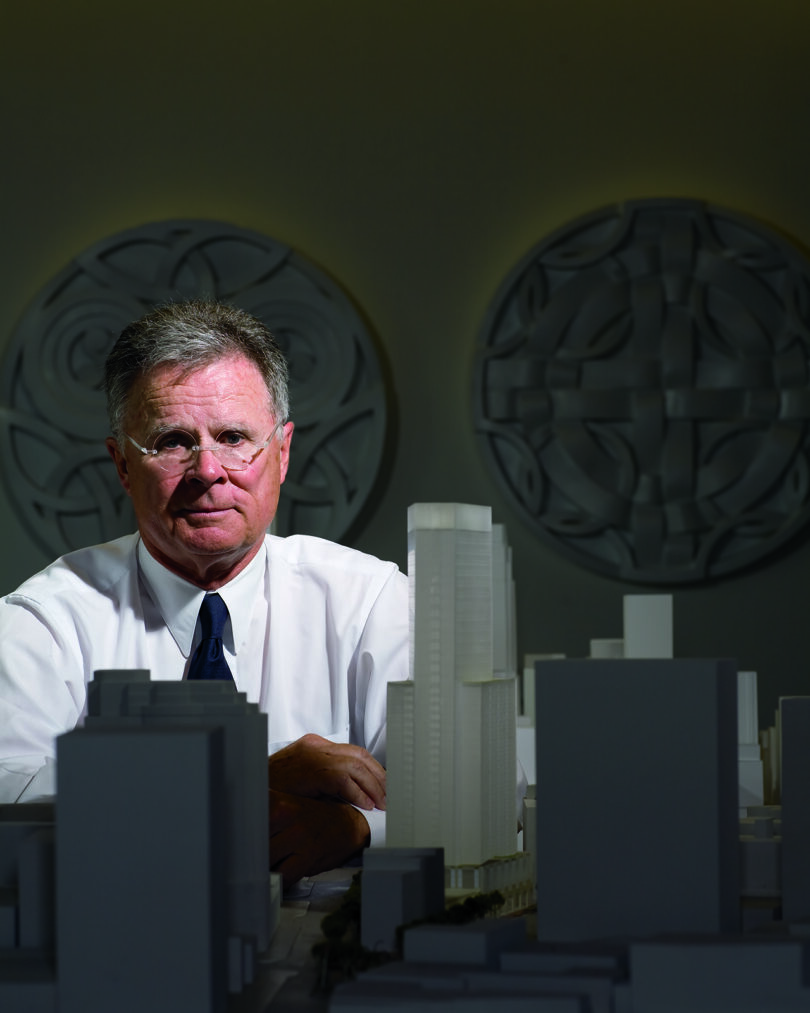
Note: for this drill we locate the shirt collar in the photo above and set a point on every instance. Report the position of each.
(179, 601)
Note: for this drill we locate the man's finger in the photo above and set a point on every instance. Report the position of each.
(315, 766)
(361, 787)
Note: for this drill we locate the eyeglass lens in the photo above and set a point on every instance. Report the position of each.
(180, 454)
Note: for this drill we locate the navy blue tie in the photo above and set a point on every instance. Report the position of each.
(209, 658)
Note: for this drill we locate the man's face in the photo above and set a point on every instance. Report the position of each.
(207, 523)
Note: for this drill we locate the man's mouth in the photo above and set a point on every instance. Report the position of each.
(205, 512)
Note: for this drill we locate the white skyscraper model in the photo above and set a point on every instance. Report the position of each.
(451, 727)
(504, 631)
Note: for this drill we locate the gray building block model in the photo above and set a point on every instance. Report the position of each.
(162, 898)
(624, 750)
(36, 886)
(400, 885)
(796, 809)
(761, 855)
(26, 843)
(27, 909)
(479, 944)
(452, 991)
(484, 969)
(141, 871)
(485, 966)
(719, 976)
(144, 703)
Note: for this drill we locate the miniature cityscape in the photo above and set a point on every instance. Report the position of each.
(652, 828)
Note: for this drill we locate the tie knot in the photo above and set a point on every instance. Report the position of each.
(213, 613)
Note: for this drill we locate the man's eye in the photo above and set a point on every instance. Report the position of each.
(174, 441)
(231, 438)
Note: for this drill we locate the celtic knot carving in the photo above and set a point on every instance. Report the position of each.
(641, 390)
(52, 408)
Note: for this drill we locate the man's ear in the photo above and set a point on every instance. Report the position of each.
(120, 461)
(285, 450)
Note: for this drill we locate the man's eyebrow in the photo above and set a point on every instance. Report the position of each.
(166, 427)
(214, 429)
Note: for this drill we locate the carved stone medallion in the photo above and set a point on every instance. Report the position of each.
(641, 390)
(53, 418)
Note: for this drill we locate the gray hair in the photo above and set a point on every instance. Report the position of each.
(191, 335)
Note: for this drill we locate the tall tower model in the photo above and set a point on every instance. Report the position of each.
(451, 727)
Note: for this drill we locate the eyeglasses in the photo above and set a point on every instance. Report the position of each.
(174, 451)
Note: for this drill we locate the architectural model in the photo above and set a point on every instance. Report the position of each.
(504, 626)
(749, 752)
(625, 750)
(643, 905)
(400, 886)
(648, 627)
(451, 727)
(795, 810)
(161, 898)
(661, 886)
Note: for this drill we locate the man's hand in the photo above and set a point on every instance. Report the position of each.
(311, 835)
(317, 768)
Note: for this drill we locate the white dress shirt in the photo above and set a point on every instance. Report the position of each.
(316, 632)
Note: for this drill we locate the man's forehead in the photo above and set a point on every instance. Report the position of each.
(236, 367)
(228, 389)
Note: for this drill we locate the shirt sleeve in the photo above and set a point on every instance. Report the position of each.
(37, 701)
(376, 825)
(382, 657)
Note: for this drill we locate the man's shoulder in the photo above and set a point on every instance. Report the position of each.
(95, 567)
(318, 555)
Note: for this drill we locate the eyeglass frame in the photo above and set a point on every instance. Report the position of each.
(196, 449)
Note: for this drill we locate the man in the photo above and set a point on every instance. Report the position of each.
(198, 405)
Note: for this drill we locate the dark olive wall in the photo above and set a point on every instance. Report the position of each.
(415, 151)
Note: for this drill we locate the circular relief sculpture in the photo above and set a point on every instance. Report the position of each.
(641, 390)
(53, 420)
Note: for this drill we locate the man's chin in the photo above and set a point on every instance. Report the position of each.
(212, 542)
(208, 538)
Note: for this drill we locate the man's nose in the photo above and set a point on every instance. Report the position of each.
(205, 464)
